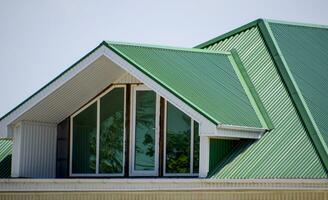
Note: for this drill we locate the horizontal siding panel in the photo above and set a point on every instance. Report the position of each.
(172, 195)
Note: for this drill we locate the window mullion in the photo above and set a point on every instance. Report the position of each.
(98, 136)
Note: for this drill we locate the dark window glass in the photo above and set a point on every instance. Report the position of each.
(178, 132)
(145, 130)
(111, 132)
(84, 141)
(196, 148)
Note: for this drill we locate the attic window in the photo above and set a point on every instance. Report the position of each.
(181, 143)
(99, 144)
(99, 152)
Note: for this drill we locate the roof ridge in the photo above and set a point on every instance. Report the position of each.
(230, 33)
(293, 23)
(256, 22)
(192, 49)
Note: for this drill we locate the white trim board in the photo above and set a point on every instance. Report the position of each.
(165, 184)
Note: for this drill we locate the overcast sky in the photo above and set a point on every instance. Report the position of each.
(40, 39)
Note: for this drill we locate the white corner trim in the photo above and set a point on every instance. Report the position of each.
(242, 128)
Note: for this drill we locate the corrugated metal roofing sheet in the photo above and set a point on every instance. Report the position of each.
(5, 157)
(204, 79)
(287, 150)
(305, 49)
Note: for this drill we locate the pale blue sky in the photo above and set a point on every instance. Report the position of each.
(40, 39)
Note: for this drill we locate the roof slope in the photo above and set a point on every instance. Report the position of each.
(209, 81)
(288, 150)
(5, 157)
(305, 51)
(204, 79)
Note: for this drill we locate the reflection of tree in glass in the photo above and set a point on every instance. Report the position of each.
(196, 148)
(92, 149)
(145, 113)
(178, 144)
(111, 144)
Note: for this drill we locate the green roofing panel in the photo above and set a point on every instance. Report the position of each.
(305, 50)
(204, 79)
(5, 158)
(287, 150)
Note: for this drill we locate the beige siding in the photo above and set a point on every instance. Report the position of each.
(127, 78)
(176, 195)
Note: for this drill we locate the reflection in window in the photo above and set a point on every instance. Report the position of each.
(111, 132)
(145, 130)
(181, 156)
(196, 148)
(109, 156)
(178, 136)
(84, 140)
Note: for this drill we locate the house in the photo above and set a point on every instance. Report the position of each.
(243, 115)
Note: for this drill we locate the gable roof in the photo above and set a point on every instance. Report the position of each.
(208, 81)
(264, 46)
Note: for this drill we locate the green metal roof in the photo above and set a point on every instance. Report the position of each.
(206, 80)
(287, 151)
(211, 82)
(5, 157)
(304, 52)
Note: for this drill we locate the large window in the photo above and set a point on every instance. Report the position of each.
(181, 143)
(84, 137)
(144, 144)
(111, 142)
(97, 145)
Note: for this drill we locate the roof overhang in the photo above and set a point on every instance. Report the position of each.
(87, 78)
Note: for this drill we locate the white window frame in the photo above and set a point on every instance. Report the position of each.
(97, 99)
(132, 171)
(191, 164)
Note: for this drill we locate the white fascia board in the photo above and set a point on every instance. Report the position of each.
(207, 128)
(165, 184)
(6, 125)
(232, 132)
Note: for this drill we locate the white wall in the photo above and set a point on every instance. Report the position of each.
(34, 150)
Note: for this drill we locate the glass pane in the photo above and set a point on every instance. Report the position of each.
(178, 132)
(84, 140)
(111, 132)
(145, 130)
(196, 148)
